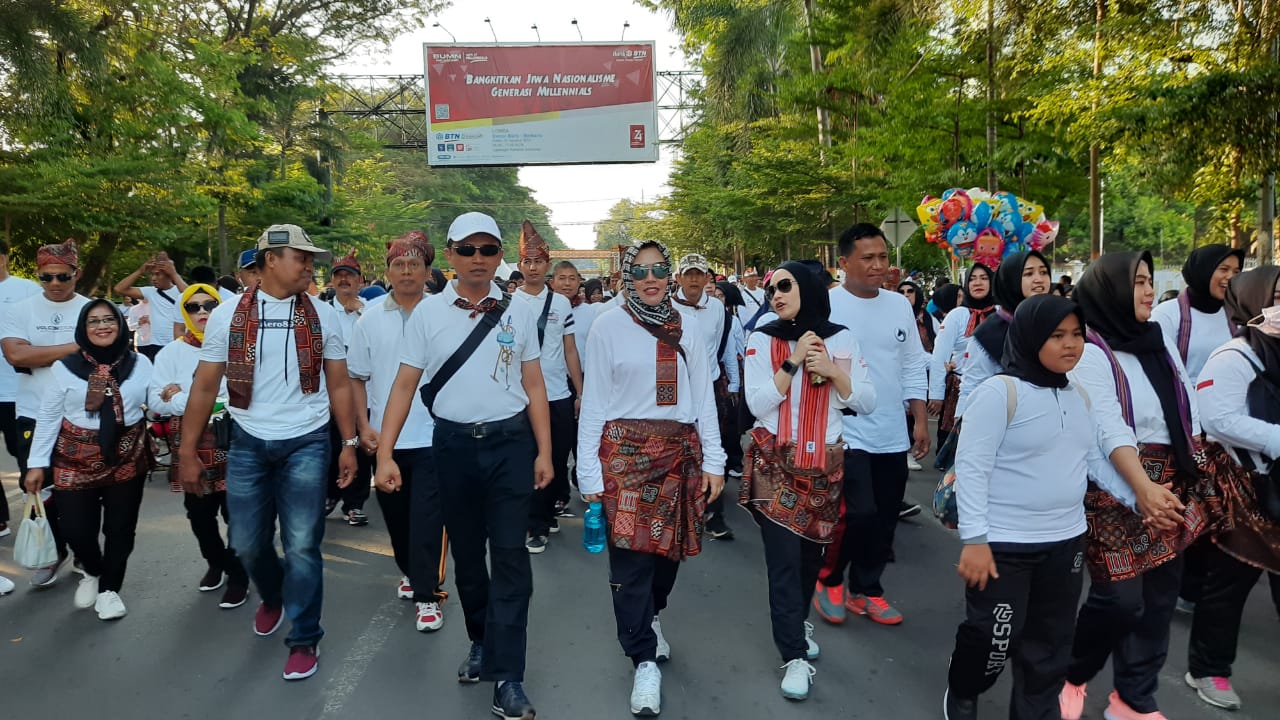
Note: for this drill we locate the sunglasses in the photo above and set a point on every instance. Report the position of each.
(782, 286)
(192, 308)
(659, 271)
(468, 250)
(101, 322)
(60, 277)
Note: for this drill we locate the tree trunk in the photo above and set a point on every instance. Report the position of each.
(94, 263)
(1095, 156)
(991, 96)
(224, 262)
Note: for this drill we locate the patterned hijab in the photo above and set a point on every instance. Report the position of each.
(660, 314)
(662, 321)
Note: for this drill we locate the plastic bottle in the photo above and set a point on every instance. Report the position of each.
(593, 530)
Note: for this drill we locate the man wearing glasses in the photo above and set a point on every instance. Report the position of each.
(478, 352)
(38, 332)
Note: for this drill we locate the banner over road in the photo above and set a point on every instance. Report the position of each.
(540, 104)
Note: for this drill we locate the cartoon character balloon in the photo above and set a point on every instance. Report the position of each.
(988, 248)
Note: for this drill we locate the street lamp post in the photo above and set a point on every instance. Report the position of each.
(446, 31)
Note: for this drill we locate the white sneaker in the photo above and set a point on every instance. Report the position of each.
(6, 585)
(429, 617)
(109, 606)
(795, 684)
(646, 691)
(87, 592)
(813, 651)
(404, 590)
(664, 648)
(912, 464)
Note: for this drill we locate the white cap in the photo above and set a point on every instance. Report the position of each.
(734, 278)
(473, 223)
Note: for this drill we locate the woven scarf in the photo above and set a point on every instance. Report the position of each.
(976, 316)
(811, 435)
(242, 347)
(662, 321)
(103, 398)
(191, 339)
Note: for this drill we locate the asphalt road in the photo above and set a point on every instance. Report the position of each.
(177, 655)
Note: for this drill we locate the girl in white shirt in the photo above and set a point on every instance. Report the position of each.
(92, 433)
(1197, 324)
(795, 469)
(170, 382)
(649, 449)
(948, 350)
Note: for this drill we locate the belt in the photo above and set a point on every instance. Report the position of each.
(481, 430)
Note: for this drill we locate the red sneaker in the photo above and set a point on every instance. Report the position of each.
(829, 603)
(302, 663)
(268, 619)
(1118, 709)
(875, 608)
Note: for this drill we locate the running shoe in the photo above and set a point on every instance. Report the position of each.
(1071, 701)
(510, 702)
(303, 662)
(663, 652)
(234, 596)
(1216, 691)
(430, 618)
(212, 580)
(469, 670)
(357, 518)
(267, 620)
(404, 590)
(646, 690)
(829, 602)
(1118, 709)
(957, 708)
(875, 608)
(797, 679)
(109, 606)
(536, 544)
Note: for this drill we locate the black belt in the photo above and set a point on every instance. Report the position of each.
(516, 422)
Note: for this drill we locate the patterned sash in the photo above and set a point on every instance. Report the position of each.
(811, 435)
(1243, 531)
(78, 463)
(668, 369)
(1184, 325)
(1125, 395)
(653, 487)
(242, 347)
(213, 460)
(804, 501)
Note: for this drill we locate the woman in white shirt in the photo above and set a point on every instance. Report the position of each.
(1024, 454)
(948, 349)
(91, 433)
(1197, 324)
(170, 382)
(797, 390)
(649, 449)
(1243, 374)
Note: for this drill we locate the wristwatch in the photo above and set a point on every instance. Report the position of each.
(789, 367)
(353, 442)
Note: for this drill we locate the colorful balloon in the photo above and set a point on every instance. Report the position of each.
(952, 212)
(961, 237)
(988, 248)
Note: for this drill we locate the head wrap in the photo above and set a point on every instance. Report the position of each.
(412, 244)
(1247, 295)
(815, 308)
(348, 262)
(1007, 289)
(658, 314)
(103, 369)
(63, 253)
(985, 301)
(532, 246)
(1198, 272)
(194, 330)
(1033, 323)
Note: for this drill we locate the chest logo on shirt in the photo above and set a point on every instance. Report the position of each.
(901, 335)
(553, 317)
(506, 352)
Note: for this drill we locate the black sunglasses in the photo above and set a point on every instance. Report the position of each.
(782, 286)
(467, 250)
(60, 277)
(192, 308)
(659, 270)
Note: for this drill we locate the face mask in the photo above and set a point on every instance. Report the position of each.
(1269, 321)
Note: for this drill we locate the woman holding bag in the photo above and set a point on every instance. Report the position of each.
(91, 433)
(795, 469)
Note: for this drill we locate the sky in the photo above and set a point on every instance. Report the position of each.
(578, 195)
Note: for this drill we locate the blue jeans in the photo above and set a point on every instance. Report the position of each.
(267, 479)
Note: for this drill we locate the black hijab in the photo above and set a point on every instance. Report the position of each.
(732, 296)
(1007, 287)
(1033, 323)
(917, 307)
(1198, 272)
(1248, 293)
(117, 356)
(945, 298)
(1105, 294)
(815, 308)
(986, 301)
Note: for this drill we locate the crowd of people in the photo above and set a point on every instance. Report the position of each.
(1090, 430)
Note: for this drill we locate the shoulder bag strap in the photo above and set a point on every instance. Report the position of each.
(1184, 325)
(542, 319)
(1011, 399)
(488, 322)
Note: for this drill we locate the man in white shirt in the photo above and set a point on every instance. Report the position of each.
(162, 296)
(875, 468)
(38, 332)
(413, 512)
(492, 444)
(752, 295)
(346, 279)
(560, 367)
(286, 369)
(13, 290)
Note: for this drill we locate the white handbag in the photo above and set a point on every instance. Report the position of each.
(33, 546)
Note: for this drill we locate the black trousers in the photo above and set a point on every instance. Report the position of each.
(731, 442)
(564, 435)
(9, 428)
(1215, 628)
(874, 485)
(792, 563)
(415, 523)
(641, 584)
(1027, 615)
(113, 511)
(26, 431)
(353, 496)
(1128, 621)
(202, 513)
(1196, 563)
(486, 484)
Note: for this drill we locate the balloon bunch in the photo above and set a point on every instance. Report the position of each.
(985, 227)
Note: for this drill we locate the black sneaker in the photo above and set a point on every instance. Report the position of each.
(955, 708)
(717, 528)
(510, 702)
(469, 670)
(536, 544)
(357, 518)
(555, 526)
(562, 509)
(906, 510)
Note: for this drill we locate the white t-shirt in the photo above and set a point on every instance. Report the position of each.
(374, 356)
(709, 314)
(41, 323)
(163, 313)
(65, 399)
(279, 409)
(752, 301)
(12, 291)
(176, 365)
(583, 317)
(1208, 333)
(560, 322)
(489, 385)
(141, 330)
(347, 320)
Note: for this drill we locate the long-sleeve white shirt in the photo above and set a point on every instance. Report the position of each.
(765, 401)
(1222, 395)
(948, 346)
(64, 398)
(176, 365)
(1094, 373)
(975, 367)
(708, 313)
(373, 356)
(885, 327)
(621, 384)
(1208, 333)
(734, 348)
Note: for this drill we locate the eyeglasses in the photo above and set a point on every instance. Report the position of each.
(468, 250)
(782, 286)
(192, 307)
(101, 322)
(60, 277)
(659, 271)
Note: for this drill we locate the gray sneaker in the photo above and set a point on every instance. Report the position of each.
(1216, 691)
(47, 575)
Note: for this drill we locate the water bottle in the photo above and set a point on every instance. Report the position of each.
(593, 531)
